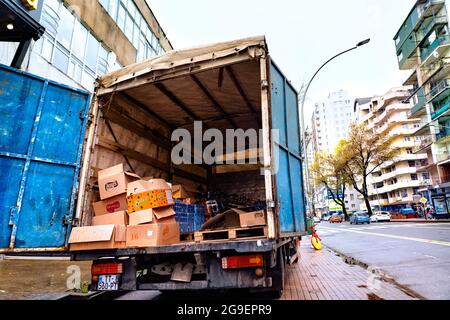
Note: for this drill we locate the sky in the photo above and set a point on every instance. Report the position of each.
(301, 36)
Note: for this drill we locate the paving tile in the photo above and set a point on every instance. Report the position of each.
(322, 275)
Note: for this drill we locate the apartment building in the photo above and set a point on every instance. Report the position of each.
(395, 184)
(84, 39)
(330, 124)
(423, 46)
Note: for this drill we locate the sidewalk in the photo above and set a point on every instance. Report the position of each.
(421, 220)
(34, 279)
(323, 275)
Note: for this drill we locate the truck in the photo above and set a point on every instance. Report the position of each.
(130, 119)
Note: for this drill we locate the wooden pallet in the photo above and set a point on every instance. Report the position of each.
(187, 237)
(231, 234)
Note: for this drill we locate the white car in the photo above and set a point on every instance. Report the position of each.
(316, 219)
(382, 216)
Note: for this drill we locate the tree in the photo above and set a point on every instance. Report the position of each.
(365, 151)
(329, 170)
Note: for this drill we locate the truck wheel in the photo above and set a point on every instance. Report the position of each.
(278, 277)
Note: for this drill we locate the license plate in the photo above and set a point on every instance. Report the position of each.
(108, 283)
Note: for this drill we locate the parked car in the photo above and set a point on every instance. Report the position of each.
(326, 217)
(360, 217)
(316, 219)
(381, 216)
(337, 218)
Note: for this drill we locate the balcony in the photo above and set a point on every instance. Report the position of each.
(441, 109)
(419, 102)
(393, 174)
(406, 40)
(440, 42)
(424, 144)
(440, 91)
(429, 25)
(402, 184)
(442, 156)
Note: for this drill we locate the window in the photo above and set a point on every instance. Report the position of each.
(92, 52)
(409, 151)
(426, 176)
(412, 164)
(65, 30)
(70, 47)
(79, 40)
(407, 139)
(352, 197)
(414, 177)
(61, 59)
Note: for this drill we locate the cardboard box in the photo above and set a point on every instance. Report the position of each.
(157, 215)
(111, 205)
(153, 235)
(150, 200)
(180, 192)
(113, 181)
(116, 218)
(98, 237)
(239, 218)
(142, 186)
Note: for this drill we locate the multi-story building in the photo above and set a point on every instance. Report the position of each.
(84, 39)
(330, 124)
(332, 118)
(395, 184)
(423, 46)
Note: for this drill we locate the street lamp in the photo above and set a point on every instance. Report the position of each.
(303, 99)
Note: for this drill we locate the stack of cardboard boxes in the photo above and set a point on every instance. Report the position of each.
(133, 212)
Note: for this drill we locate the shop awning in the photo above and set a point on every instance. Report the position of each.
(22, 25)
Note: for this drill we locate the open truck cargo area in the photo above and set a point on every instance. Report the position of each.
(132, 118)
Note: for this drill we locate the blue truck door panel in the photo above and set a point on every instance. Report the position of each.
(40, 152)
(287, 151)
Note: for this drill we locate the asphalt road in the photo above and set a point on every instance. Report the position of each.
(416, 255)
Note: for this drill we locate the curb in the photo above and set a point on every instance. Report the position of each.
(421, 221)
(385, 276)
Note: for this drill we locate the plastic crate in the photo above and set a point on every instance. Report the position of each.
(190, 217)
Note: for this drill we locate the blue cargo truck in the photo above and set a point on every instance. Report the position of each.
(54, 142)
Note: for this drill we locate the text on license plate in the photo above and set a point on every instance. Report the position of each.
(108, 283)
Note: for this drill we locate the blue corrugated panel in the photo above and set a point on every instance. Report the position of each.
(41, 134)
(287, 151)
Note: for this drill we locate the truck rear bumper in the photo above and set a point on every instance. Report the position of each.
(238, 246)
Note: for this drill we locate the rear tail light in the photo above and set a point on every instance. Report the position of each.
(238, 262)
(107, 269)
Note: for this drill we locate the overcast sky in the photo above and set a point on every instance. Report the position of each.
(301, 36)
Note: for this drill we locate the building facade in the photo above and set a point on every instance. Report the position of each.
(395, 184)
(84, 39)
(423, 46)
(330, 124)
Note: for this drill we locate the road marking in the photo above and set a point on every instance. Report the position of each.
(437, 242)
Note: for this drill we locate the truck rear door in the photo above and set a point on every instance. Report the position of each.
(41, 135)
(287, 154)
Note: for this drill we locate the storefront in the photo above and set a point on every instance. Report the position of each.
(441, 204)
(19, 24)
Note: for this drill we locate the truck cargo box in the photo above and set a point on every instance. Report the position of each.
(134, 111)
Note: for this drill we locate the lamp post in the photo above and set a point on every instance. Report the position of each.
(303, 99)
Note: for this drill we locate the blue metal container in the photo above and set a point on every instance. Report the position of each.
(41, 135)
(287, 150)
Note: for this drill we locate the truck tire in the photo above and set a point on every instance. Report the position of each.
(278, 276)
